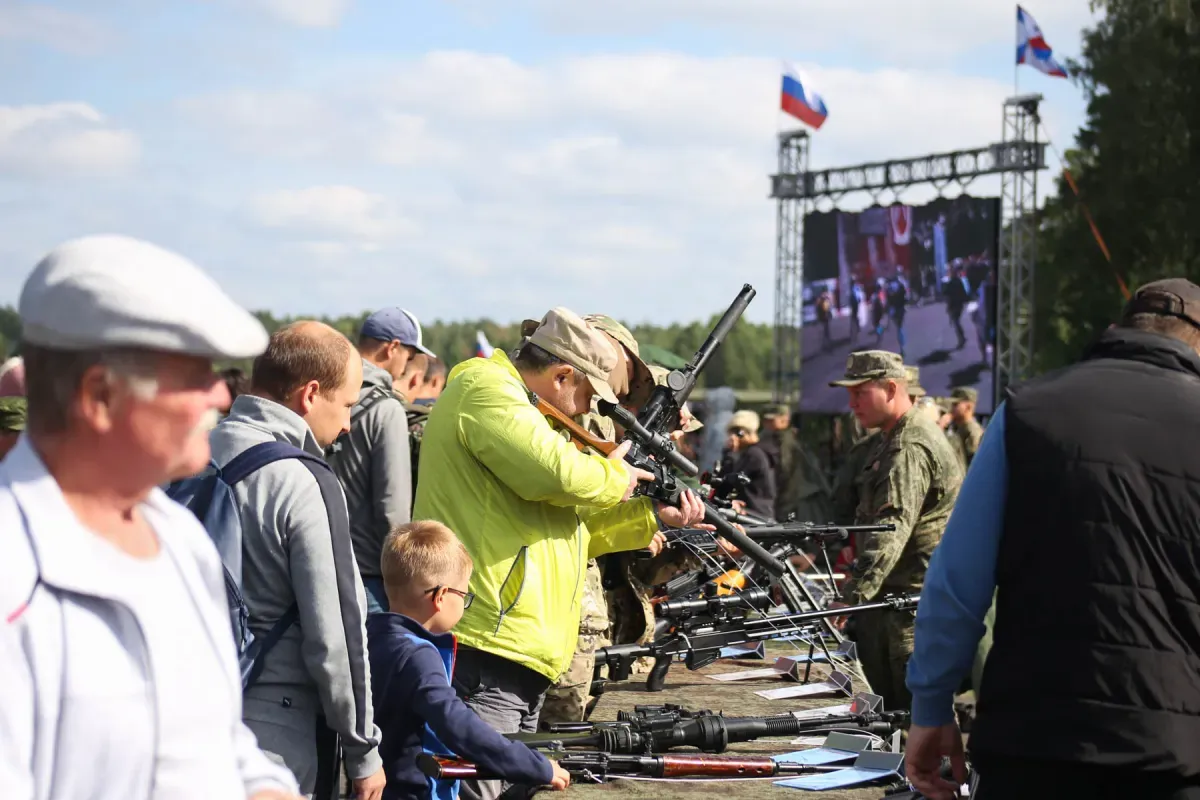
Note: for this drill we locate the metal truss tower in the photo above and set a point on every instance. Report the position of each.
(1016, 158)
(1018, 243)
(789, 269)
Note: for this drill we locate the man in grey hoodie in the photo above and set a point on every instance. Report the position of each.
(296, 550)
(373, 460)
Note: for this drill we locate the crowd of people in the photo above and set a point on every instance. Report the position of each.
(219, 585)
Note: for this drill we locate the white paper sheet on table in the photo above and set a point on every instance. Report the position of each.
(824, 711)
(821, 755)
(837, 779)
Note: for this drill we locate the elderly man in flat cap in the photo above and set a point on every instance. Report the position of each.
(118, 671)
(909, 478)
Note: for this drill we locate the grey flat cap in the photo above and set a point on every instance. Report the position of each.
(113, 291)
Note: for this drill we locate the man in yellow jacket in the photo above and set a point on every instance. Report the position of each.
(531, 509)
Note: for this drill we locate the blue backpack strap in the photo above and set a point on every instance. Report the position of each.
(239, 468)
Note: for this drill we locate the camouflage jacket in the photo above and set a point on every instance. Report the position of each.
(910, 478)
(798, 477)
(848, 480)
(965, 441)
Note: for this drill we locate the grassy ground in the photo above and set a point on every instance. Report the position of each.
(694, 690)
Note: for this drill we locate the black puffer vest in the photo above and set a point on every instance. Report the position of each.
(1096, 657)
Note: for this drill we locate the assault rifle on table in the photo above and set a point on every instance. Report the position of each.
(701, 644)
(603, 765)
(659, 728)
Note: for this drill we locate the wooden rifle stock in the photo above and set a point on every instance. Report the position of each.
(579, 437)
(709, 766)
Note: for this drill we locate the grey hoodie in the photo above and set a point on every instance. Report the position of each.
(374, 464)
(319, 665)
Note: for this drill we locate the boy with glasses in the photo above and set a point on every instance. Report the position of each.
(426, 571)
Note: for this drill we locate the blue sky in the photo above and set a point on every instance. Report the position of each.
(469, 158)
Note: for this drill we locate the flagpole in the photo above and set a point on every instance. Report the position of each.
(1016, 62)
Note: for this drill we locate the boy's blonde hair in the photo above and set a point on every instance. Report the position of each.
(420, 555)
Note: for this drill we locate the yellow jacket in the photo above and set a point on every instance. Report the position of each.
(530, 508)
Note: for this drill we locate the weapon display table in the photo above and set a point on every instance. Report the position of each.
(695, 690)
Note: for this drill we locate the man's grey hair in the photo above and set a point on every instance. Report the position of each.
(52, 379)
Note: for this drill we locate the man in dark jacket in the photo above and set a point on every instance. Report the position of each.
(1090, 688)
(744, 454)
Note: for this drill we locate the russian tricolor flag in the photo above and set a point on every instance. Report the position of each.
(483, 348)
(1032, 48)
(801, 100)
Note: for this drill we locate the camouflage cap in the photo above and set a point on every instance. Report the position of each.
(872, 365)
(770, 412)
(12, 414)
(635, 391)
(964, 393)
(660, 379)
(915, 389)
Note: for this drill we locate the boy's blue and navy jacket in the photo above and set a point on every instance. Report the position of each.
(417, 711)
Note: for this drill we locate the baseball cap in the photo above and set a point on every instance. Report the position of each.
(745, 419)
(1171, 297)
(395, 325)
(565, 334)
(12, 414)
(114, 291)
(635, 391)
(776, 411)
(872, 365)
(967, 393)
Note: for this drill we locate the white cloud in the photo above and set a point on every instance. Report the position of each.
(916, 32)
(62, 139)
(331, 218)
(306, 13)
(66, 31)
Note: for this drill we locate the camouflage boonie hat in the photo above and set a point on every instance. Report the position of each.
(643, 381)
(776, 411)
(660, 379)
(872, 365)
(915, 389)
(12, 414)
(965, 393)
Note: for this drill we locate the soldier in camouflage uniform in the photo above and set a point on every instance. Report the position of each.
(802, 488)
(632, 382)
(910, 478)
(12, 422)
(964, 431)
(846, 482)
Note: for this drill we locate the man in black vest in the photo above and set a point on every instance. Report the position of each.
(1091, 542)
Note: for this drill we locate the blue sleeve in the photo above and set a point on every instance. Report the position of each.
(460, 729)
(960, 584)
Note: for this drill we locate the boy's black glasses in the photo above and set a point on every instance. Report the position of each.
(468, 597)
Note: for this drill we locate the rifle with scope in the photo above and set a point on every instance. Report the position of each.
(602, 765)
(654, 729)
(701, 643)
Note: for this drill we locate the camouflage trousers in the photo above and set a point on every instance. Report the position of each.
(885, 643)
(567, 700)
